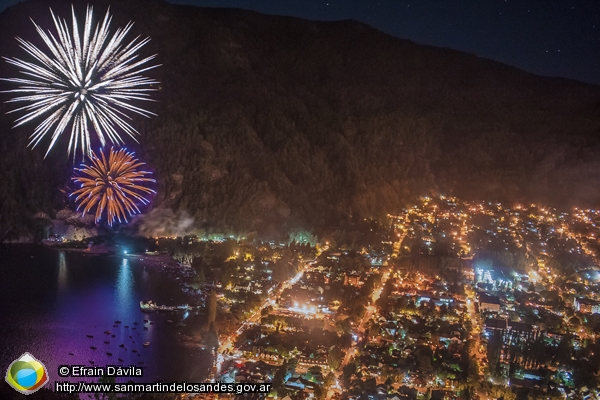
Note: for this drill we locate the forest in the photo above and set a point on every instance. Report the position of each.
(269, 124)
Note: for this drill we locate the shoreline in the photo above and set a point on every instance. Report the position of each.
(161, 267)
(161, 263)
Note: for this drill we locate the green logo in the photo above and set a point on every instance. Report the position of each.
(26, 374)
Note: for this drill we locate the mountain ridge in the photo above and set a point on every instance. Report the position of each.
(345, 121)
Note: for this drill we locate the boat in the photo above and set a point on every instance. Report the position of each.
(146, 321)
(93, 347)
(106, 342)
(91, 362)
(126, 326)
(120, 359)
(71, 354)
(108, 353)
(90, 336)
(135, 323)
(146, 344)
(121, 345)
(148, 307)
(113, 335)
(134, 350)
(117, 321)
(107, 332)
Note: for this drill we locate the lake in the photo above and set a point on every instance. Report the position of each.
(51, 300)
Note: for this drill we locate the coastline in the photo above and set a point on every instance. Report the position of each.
(64, 276)
(156, 262)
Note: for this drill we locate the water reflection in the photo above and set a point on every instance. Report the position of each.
(62, 272)
(53, 302)
(124, 287)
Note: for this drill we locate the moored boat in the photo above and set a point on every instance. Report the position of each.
(148, 307)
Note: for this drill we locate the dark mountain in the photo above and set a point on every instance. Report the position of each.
(276, 122)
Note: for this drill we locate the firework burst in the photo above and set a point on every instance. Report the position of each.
(84, 80)
(112, 183)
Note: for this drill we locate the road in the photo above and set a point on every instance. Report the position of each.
(476, 333)
(477, 329)
(372, 308)
(360, 329)
(229, 343)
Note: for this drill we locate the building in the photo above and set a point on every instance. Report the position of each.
(497, 276)
(489, 303)
(352, 280)
(587, 306)
(522, 329)
(495, 324)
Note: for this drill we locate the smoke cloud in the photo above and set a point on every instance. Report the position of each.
(164, 222)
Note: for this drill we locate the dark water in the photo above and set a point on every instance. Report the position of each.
(50, 301)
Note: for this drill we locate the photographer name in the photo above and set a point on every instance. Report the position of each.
(109, 370)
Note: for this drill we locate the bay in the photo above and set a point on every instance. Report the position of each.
(51, 300)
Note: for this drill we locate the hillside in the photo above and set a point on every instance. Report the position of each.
(270, 123)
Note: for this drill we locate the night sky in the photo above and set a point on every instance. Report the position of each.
(546, 37)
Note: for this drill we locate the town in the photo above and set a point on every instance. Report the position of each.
(445, 300)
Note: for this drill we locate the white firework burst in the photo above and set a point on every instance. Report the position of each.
(85, 81)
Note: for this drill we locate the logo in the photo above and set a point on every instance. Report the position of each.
(26, 374)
